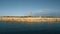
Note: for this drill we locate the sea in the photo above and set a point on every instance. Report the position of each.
(21, 28)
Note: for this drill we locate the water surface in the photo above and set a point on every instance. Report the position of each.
(18, 28)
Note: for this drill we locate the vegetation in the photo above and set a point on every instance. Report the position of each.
(30, 16)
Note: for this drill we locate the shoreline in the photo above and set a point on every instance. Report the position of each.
(29, 20)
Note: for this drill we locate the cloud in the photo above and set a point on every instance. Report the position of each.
(47, 12)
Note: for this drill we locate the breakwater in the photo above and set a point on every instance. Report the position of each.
(29, 19)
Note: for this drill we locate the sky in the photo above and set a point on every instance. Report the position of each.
(24, 7)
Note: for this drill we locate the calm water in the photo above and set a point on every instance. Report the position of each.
(16, 28)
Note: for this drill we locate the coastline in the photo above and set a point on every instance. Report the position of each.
(29, 19)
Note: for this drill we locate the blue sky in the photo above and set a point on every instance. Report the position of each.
(24, 7)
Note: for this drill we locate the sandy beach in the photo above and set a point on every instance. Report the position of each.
(29, 20)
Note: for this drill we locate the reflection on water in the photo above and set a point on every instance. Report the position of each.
(14, 28)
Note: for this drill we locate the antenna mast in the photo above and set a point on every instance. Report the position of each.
(30, 14)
